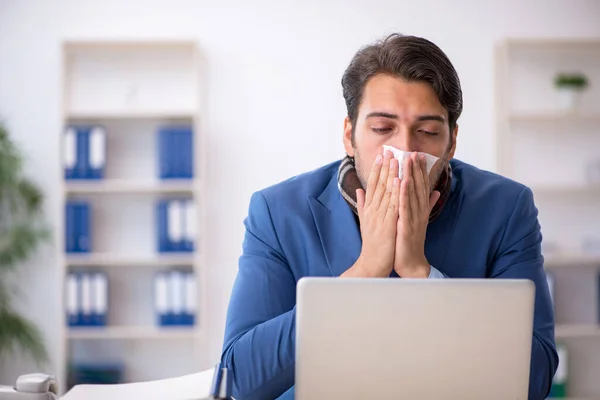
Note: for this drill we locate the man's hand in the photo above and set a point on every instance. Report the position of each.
(415, 206)
(378, 211)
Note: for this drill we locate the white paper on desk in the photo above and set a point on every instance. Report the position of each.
(188, 387)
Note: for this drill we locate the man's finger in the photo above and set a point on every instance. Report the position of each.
(392, 174)
(394, 206)
(419, 179)
(381, 185)
(412, 191)
(360, 201)
(373, 178)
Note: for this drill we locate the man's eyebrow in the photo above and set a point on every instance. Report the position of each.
(381, 114)
(431, 117)
(420, 118)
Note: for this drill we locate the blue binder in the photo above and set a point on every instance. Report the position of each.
(100, 298)
(70, 152)
(83, 236)
(161, 227)
(189, 222)
(82, 167)
(85, 309)
(96, 152)
(165, 154)
(70, 223)
(161, 298)
(189, 317)
(176, 297)
(175, 152)
(188, 153)
(72, 301)
(176, 223)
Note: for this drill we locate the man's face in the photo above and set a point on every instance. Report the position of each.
(404, 115)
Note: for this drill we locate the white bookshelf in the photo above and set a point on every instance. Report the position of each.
(551, 149)
(132, 88)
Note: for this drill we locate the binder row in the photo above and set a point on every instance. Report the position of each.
(85, 152)
(176, 225)
(175, 298)
(175, 148)
(77, 224)
(86, 298)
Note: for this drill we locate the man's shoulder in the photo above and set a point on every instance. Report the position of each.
(299, 187)
(486, 187)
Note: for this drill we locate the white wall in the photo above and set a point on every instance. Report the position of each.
(273, 80)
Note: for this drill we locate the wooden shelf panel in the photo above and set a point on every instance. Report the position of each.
(130, 187)
(582, 189)
(116, 260)
(133, 332)
(563, 331)
(130, 114)
(571, 260)
(554, 117)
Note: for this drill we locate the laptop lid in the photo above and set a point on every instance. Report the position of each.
(413, 338)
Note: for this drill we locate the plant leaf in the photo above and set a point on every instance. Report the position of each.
(19, 242)
(30, 195)
(18, 333)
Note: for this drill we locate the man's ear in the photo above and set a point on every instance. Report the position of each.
(453, 148)
(348, 137)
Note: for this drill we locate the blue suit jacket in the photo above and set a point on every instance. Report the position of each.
(303, 227)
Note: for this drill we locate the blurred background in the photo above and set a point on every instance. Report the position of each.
(134, 133)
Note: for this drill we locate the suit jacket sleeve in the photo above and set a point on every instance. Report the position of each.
(259, 343)
(519, 256)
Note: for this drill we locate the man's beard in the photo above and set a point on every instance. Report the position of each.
(363, 177)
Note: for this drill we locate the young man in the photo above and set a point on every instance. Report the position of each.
(357, 218)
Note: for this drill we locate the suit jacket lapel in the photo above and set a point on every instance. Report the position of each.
(441, 230)
(337, 228)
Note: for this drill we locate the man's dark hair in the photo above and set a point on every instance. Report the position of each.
(410, 58)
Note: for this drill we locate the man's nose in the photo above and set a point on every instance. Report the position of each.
(404, 141)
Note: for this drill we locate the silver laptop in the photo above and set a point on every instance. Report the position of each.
(413, 338)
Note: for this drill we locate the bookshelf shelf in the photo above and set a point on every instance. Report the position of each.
(131, 187)
(116, 260)
(130, 114)
(554, 117)
(572, 260)
(133, 333)
(576, 331)
(572, 189)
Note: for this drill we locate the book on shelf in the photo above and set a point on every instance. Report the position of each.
(84, 152)
(175, 225)
(175, 298)
(86, 302)
(78, 226)
(175, 152)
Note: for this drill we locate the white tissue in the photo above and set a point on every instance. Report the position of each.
(401, 155)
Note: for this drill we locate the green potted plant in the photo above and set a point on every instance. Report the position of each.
(21, 231)
(570, 86)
